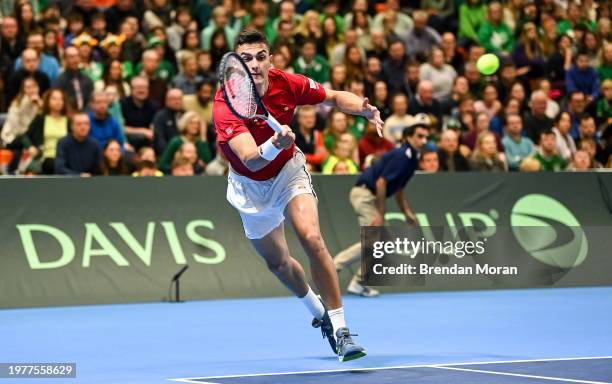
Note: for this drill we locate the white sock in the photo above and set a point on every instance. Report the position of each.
(337, 318)
(314, 305)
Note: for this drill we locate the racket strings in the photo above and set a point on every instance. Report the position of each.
(241, 89)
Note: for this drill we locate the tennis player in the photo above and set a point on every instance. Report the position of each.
(268, 177)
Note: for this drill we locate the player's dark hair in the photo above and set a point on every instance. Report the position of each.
(251, 36)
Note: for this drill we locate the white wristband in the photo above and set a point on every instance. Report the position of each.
(268, 150)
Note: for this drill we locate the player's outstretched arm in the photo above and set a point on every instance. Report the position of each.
(256, 157)
(350, 103)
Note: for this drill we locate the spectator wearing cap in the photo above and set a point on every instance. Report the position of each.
(138, 111)
(582, 77)
(86, 44)
(187, 80)
(30, 69)
(220, 20)
(421, 38)
(165, 122)
(103, 126)
(494, 34)
(75, 83)
(77, 153)
(535, 120)
(47, 64)
(449, 153)
(424, 102)
(516, 146)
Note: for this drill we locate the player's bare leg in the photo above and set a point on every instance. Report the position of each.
(305, 219)
(304, 216)
(275, 251)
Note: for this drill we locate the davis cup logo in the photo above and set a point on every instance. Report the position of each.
(548, 231)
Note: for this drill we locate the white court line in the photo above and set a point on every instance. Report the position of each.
(521, 375)
(191, 379)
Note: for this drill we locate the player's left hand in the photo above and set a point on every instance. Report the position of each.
(372, 113)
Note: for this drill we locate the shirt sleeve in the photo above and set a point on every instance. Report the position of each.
(306, 90)
(227, 125)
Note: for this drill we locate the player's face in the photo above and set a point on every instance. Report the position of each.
(258, 59)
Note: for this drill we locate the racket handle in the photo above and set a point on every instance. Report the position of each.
(274, 124)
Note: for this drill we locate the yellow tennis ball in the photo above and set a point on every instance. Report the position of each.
(487, 64)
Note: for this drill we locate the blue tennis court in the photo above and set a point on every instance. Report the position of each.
(504, 336)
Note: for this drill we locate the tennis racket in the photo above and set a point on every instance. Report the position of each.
(239, 91)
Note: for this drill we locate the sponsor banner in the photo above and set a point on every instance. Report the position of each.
(111, 240)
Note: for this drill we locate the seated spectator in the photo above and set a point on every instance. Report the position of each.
(421, 39)
(472, 15)
(424, 102)
(452, 56)
(481, 125)
(547, 154)
(587, 129)
(341, 153)
(582, 77)
(605, 68)
(45, 131)
(581, 161)
(559, 63)
(192, 130)
(552, 107)
(450, 156)
(113, 76)
(566, 147)
(380, 99)
(75, 83)
(22, 111)
(399, 119)
(182, 166)
(516, 146)
(402, 22)
(576, 106)
(394, 67)
(47, 64)
(200, 102)
(535, 120)
(165, 120)
(85, 45)
(593, 150)
(219, 166)
(490, 103)
(494, 34)
(147, 168)
(113, 162)
(371, 147)
(30, 69)
(486, 157)
(310, 64)
(441, 75)
(528, 55)
(151, 68)
(220, 20)
(77, 153)
(428, 161)
(103, 126)
(604, 104)
(188, 80)
(411, 79)
(308, 139)
(138, 112)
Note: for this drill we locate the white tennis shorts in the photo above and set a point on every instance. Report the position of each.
(262, 203)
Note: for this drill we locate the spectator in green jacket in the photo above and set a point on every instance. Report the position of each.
(472, 15)
(547, 155)
(494, 34)
(310, 64)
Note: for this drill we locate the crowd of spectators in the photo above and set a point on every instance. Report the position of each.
(125, 87)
